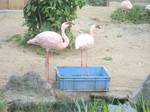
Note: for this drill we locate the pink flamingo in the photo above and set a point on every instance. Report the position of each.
(51, 40)
(126, 5)
(86, 41)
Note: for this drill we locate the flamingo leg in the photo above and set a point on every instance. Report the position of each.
(125, 14)
(81, 58)
(125, 11)
(86, 58)
(47, 65)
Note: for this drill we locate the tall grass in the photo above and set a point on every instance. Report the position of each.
(3, 104)
(81, 105)
(57, 106)
(97, 105)
(145, 107)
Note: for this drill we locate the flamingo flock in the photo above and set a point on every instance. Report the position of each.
(52, 40)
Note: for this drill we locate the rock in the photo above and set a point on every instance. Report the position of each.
(147, 7)
(142, 91)
(120, 108)
(29, 83)
(26, 90)
(115, 94)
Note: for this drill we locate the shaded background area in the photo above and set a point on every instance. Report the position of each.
(19, 4)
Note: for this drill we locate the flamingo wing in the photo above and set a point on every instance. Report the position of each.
(48, 39)
(84, 41)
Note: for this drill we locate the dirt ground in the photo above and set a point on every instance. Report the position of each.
(127, 47)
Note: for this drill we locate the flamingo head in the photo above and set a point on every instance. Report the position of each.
(94, 28)
(67, 24)
(98, 26)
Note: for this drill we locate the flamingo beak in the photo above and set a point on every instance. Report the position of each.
(70, 23)
(98, 26)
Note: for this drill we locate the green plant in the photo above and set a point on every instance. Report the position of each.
(42, 15)
(18, 38)
(97, 105)
(145, 107)
(2, 105)
(137, 15)
(105, 106)
(81, 105)
(57, 106)
(147, 1)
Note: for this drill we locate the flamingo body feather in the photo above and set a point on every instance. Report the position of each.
(47, 39)
(126, 4)
(84, 41)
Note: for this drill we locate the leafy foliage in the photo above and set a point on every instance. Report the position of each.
(42, 15)
(137, 15)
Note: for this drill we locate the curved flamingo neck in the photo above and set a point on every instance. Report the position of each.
(65, 41)
(92, 30)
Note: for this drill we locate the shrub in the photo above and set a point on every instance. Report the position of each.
(137, 15)
(42, 15)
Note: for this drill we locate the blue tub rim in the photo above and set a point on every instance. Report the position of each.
(102, 77)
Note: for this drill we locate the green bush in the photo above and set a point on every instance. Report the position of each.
(97, 2)
(137, 15)
(42, 15)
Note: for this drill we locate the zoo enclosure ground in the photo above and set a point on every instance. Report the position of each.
(126, 45)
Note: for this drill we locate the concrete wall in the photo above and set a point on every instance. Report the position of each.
(12, 4)
(3, 4)
(19, 4)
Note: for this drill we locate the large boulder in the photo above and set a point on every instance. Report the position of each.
(143, 92)
(28, 89)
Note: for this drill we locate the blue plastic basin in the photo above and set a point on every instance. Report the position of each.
(74, 78)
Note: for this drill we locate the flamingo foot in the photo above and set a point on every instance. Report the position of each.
(81, 58)
(51, 83)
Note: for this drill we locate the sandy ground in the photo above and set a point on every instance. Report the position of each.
(128, 46)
